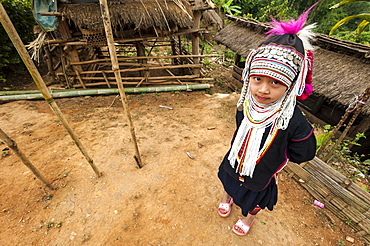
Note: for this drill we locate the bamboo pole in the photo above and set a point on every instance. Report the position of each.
(340, 124)
(29, 95)
(144, 68)
(150, 78)
(361, 101)
(141, 58)
(13, 35)
(80, 79)
(112, 51)
(106, 79)
(13, 145)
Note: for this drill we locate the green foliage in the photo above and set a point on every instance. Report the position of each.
(362, 38)
(364, 188)
(346, 2)
(364, 17)
(263, 10)
(227, 7)
(321, 139)
(206, 47)
(343, 154)
(340, 243)
(279, 8)
(20, 13)
(360, 28)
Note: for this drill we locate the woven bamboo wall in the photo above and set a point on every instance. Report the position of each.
(339, 194)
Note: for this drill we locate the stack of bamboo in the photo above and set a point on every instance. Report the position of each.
(339, 194)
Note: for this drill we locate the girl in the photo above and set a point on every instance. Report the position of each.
(270, 128)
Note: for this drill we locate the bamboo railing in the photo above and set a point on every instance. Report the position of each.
(339, 194)
(131, 69)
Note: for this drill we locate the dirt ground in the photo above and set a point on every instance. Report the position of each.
(171, 200)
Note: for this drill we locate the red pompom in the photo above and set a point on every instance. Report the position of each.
(308, 89)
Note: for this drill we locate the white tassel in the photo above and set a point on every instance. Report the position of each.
(245, 78)
(306, 35)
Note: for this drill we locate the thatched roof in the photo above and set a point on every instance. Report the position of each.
(163, 15)
(341, 69)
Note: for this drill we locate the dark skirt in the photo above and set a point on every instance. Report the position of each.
(247, 199)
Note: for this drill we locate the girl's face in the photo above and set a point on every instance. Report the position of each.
(265, 89)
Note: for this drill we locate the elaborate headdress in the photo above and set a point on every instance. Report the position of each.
(286, 57)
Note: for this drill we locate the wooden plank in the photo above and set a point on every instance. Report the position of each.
(236, 76)
(313, 192)
(341, 192)
(365, 225)
(338, 202)
(323, 167)
(139, 78)
(354, 214)
(141, 58)
(145, 68)
(303, 174)
(360, 193)
(367, 213)
(367, 238)
(80, 79)
(50, 13)
(159, 82)
(106, 80)
(337, 189)
(318, 187)
(238, 70)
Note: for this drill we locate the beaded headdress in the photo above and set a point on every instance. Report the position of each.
(284, 57)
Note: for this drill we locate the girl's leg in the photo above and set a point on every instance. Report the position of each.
(224, 208)
(225, 197)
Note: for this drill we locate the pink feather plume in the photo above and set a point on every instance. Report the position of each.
(289, 27)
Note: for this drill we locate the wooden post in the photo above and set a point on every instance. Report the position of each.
(112, 51)
(358, 105)
(195, 40)
(237, 60)
(140, 51)
(173, 50)
(49, 62)
(13, 35)
(11, 144)
(318, 105)
(70, 51)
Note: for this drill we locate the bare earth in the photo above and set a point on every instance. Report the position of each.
(172, 200)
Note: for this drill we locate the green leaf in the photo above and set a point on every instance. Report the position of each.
(346, 2)
(364, 16)
(362, 26)
(321, 139)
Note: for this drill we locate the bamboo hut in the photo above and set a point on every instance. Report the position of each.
(341, 71)
(157, 42)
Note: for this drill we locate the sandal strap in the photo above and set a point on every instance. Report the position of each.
(224, 205)
(245, 228)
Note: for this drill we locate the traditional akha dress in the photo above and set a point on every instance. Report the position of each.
(296, 143)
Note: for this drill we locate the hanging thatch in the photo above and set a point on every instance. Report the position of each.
(341, 68)
(164, 15)
(242, 36)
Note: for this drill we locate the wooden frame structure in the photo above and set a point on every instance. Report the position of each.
(159, 48)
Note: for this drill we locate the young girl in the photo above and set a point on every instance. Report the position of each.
(270, 128)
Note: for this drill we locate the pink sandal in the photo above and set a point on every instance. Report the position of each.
(242, 226)
(224, 208)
